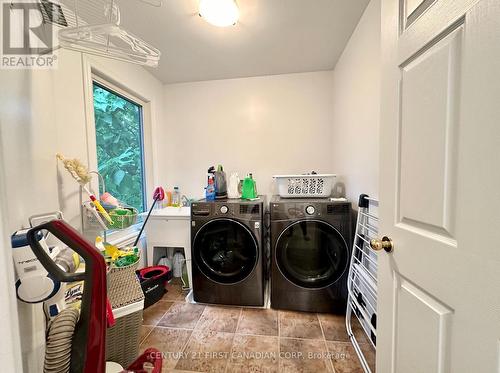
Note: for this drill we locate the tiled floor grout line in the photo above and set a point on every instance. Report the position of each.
(184, 347)
(190, 336)
(232, 342)
(155, 325)
(174, 328)
(228, 358)
(324, 342)
(239, 319)
(147, 335)
(164, 313)
(298, 339)
(257, 335)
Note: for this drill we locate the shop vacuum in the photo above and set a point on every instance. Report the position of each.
(75, 339)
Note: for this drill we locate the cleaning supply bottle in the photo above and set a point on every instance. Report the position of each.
(176, 197)
(210, 191)
(220, 183)
(233, 189)
(177, 262)
(249, 188)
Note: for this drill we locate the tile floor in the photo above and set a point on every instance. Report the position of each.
(199, 338)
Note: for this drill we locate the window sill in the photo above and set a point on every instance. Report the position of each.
(123, 236)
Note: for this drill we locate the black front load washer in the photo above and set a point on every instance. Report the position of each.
(310, 254)
(227, 252)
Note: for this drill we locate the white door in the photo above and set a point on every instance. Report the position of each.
(439, 290)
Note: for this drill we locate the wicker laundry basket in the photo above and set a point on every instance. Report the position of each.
(127, 301)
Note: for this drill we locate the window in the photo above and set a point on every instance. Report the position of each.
(119, 142)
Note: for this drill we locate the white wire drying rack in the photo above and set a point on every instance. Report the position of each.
(362, 280)
(94, 27)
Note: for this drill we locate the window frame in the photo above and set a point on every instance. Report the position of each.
(124, 95)
(93, 70)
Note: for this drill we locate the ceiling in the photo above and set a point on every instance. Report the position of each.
(271, 37)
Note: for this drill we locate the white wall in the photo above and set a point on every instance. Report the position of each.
(356, 101)
(45, 114)
(265, 125)
(42, 113)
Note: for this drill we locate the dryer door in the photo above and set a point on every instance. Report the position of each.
(311, 254)
(225, 251)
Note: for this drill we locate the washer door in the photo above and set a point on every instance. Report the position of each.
(225, 251)
(311, 254)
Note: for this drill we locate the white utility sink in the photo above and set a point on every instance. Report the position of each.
(169, 228)
(172, 212)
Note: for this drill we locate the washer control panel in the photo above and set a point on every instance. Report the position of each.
(310, 210)
(224, 209)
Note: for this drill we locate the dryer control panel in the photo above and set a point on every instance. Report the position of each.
(289, 209)
(294, 211)
(307, 210)
(248, 210)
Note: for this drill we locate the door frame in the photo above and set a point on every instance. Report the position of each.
(10, 345)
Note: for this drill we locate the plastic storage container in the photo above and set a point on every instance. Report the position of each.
(122, 339)
(300, 186)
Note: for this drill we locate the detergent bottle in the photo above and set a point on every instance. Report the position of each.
(233, 189)
(210, 191)
(249, 188)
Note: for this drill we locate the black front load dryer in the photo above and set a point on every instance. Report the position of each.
(226, 247)
(310, 254)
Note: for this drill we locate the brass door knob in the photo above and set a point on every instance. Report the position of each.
(384, 244)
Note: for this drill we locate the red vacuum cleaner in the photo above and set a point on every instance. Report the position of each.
(89, 338)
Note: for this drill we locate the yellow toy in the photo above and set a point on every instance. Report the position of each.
(111, 250)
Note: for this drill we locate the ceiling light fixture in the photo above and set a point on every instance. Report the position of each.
(221, 13)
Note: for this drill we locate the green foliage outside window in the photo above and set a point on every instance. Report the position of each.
(118, 126)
